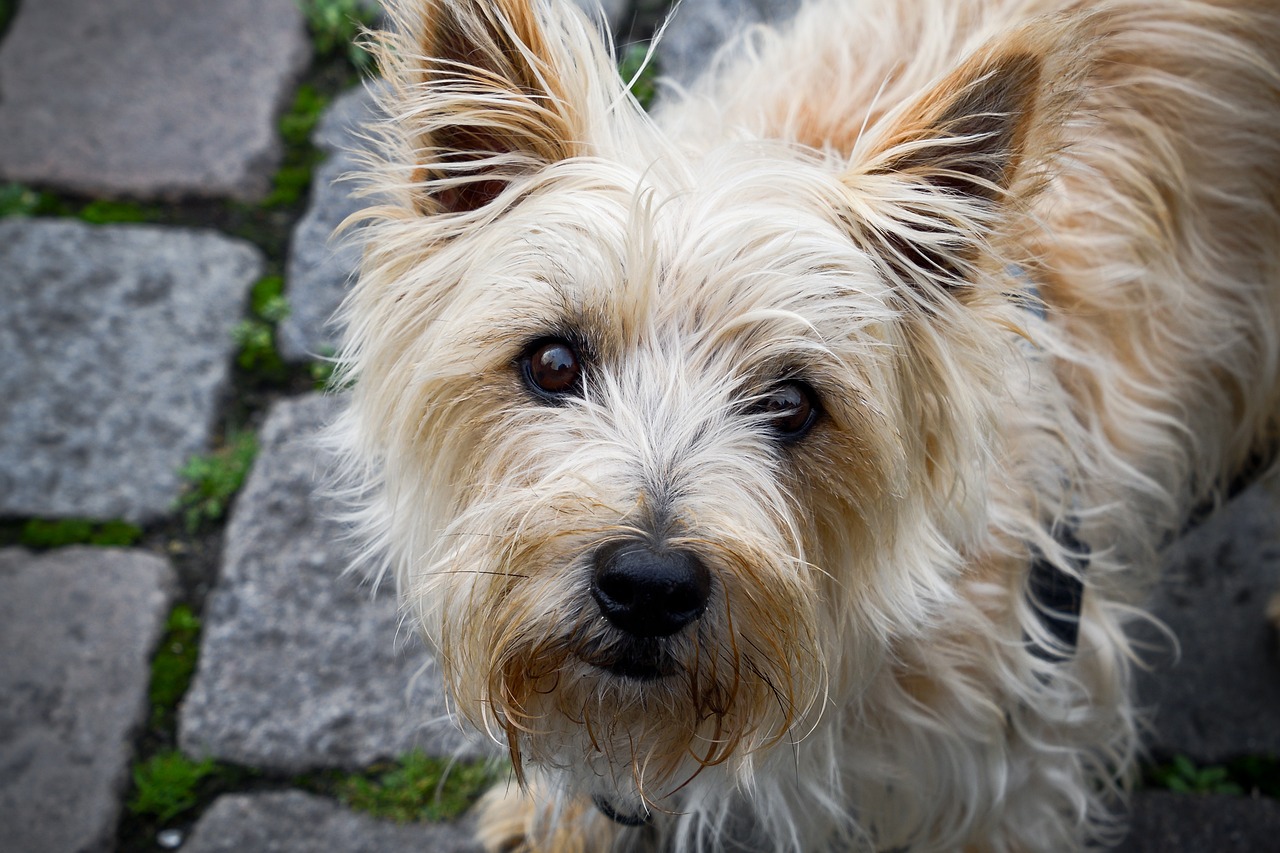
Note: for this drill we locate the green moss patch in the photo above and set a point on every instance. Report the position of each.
(173, 665)
(58, 533)
(213, 480)
(418, 788)
(17, 200)
(165, 785)
(293, 179)
(256, 336)
(335, 27)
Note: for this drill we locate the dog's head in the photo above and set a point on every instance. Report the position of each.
(672, 444)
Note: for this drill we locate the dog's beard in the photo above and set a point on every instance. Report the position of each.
(627, 720)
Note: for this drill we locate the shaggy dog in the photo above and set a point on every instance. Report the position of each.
(782, 470)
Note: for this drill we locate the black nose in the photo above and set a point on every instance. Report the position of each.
(648, 591)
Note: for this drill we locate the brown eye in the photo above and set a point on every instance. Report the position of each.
(790, 408)
(551, 367)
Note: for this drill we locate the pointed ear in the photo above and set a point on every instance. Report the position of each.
(484, 91)
(944, 171)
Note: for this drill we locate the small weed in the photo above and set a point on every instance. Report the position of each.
(57, 533)
(419, 788)
(165, 785)
(213, 480)
(1182, 776)
(303, 116)
(256, 336)
(174, 664)
(322, 375)
(15, 199)
(334, 26)
(267, 301)
(293, 178)
(632, 65)
(258, 355)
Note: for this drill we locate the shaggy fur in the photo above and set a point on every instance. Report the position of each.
(1025, 256)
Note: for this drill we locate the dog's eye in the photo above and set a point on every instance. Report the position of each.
(551, 367)
(791, 409)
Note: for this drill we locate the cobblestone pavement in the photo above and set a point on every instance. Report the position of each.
(119, 343)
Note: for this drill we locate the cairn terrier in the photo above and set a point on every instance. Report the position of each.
(782, 470)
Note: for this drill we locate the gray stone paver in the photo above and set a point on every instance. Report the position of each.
(116, 343)
(294, 822)
(1219, 696)
(300, 667)
(1162, 822)
(77, 628)
(148, 98)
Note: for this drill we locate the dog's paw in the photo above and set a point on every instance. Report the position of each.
(514, 820)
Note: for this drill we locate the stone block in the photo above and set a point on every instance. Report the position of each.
(301, 667)
(294, 822)
(1164, 822)
(116, 343)
(320, 265)
(148, 98)
(78, 627)
(1218, 695)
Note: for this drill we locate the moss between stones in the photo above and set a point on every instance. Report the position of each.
(214, 479)
(418, 787)
(165, 785)
(42, 533)
(173, 665)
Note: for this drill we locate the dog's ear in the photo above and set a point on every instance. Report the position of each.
(487, 101)
(944, 172)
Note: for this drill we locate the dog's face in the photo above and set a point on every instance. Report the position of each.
(669, 457)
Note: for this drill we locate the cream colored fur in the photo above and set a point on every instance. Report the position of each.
(869, 199)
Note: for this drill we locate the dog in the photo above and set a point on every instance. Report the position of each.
(784, 469)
